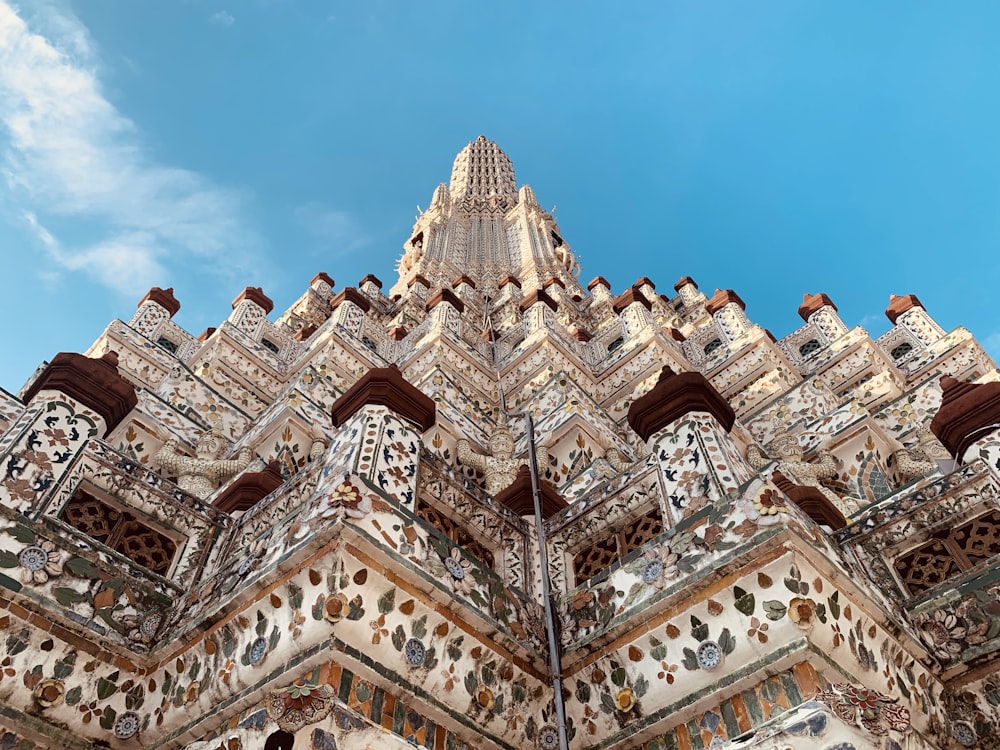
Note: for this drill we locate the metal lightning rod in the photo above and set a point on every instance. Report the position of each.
(555, 655)
(555, 660)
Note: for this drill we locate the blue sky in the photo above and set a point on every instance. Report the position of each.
(774, 148)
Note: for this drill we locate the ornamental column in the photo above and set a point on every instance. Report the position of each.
(684, 413)
(371, 285)
(908, 312)
(538, 309)
(250, 309)
(73, 399)
(349, 308)
(968, 421)
(464, 287)
(157, 306)
(380, 420)
(634, 310)
(688, 291)
(727, 309)
(600, 290)
(445, 311)
(509, 289)
(819, 310)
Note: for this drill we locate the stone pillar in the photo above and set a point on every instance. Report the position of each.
(819, 310)
(157, 306)
(727, 309)
(510, 288)
(380, 420)
(73, 399)
(683, 409)
(445, 310)
(371, 286)
(555, 288)
(688, 290)
(349, 308)
(538, 309)
(645, 287)
(600, 289)
(419, 285)
(968, 421)
(322, 284)
(465, 288)
(634, 310)
(909, 313)
(250, 309)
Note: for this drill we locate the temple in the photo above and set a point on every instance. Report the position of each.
(317, 529)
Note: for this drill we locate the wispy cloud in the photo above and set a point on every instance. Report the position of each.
(872, 320)
(222, 18)
(71, 154)
(337, 230)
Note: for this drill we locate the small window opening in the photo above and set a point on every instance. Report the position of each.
(713, 346)
(443, 523)
(949, 553)
(902, 350)
(616, 544)
(810, 347)
(121, 531)
(167, 344)
(269, 345)
(557, 241)
(369, 343)
(616, 345)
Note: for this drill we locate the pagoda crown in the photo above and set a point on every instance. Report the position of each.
(483, 177)
(482, 227)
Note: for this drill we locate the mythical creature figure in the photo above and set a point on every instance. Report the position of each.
(919, 459)
(785, 449)
(500, 467)
(201, 474)
(319, 444)
(617, 460)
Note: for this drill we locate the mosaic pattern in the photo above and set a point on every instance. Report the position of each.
(382, 596)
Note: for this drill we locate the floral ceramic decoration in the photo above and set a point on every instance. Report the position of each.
(39, 562)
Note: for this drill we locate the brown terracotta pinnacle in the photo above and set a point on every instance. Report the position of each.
(164, 298)
(813, 302)
(966, 414)
(899, 305)
(673, 396)
(256, 295)
(95, 383)
(385, 386)
(722, 298)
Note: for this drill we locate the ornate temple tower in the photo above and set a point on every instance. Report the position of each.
(318, 530)
(481, 225)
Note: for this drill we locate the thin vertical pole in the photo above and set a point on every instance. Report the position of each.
(555, 655)
(555, 660)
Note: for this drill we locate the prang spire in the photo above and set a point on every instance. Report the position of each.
(482, 177)
(481, 226)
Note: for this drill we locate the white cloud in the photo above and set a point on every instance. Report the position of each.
(71, 153)
(222, 18)
(126, 263)
(336, 229)
(872, 320)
